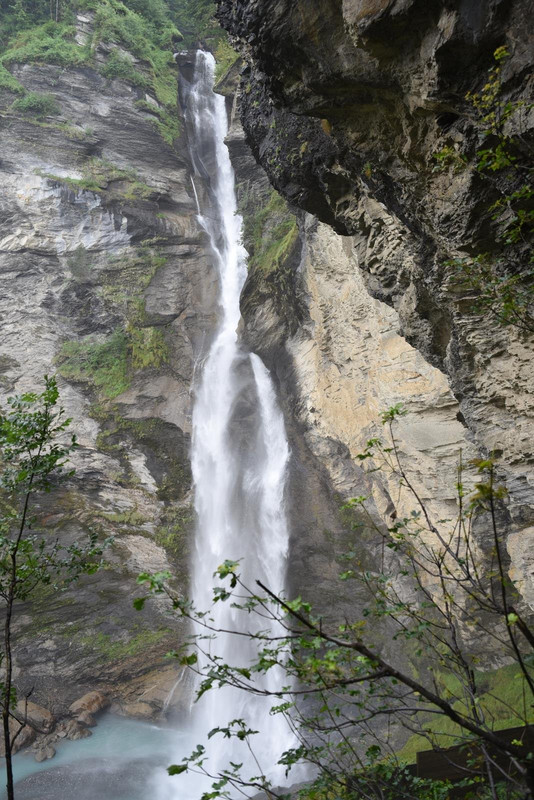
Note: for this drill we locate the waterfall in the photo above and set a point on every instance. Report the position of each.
(240, 457)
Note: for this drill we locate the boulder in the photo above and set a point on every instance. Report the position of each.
(87, 719)
(75, 730)
(44, 753)
(24, 738)
(38, 717)
(92, 702)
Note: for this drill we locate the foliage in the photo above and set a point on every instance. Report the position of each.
(507, 295)
(448, 157)
(166, 121)
(196, 20)
(7, 81)
(34, 451)
(120, 66)
(36, 105)
(407, 661)
(109, 364)
(225, 56)
(148, 347)
(503, 283)
(50, 43)
(102, 364)
(269, 234)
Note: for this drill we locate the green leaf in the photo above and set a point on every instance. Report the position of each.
(177, 769)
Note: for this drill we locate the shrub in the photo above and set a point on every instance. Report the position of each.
(36, 105)
(119, 66)
(51, 43)
(7, 81)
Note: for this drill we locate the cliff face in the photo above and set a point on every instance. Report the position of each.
(105, 280)
(106, 275)
(358, 113)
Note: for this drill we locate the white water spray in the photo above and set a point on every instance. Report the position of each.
(239, 460)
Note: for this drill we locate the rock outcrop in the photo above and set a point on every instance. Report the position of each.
(349, 108)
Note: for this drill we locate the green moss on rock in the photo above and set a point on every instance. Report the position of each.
(116, 649)
(102, 364)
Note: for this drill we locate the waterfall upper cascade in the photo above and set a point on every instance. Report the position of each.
(239, 456)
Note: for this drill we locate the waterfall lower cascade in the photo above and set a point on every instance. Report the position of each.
(240, 456)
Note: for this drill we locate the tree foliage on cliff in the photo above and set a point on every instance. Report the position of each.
(34, 452)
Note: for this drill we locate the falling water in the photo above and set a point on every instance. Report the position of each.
(239, 456)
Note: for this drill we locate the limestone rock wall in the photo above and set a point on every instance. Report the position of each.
(105, 281)
(347, 106)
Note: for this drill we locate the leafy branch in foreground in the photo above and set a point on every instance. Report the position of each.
(34, 454)
(407, 663)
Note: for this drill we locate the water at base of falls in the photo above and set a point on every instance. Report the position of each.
(120, 761)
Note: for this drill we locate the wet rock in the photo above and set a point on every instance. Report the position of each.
(44, 753)
(346, 107)
(74, 263)
(38, 717)
(87, 719)
(74, 730)
(92, 703)
(25, 737)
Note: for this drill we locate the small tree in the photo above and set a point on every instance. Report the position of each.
(405, 662)
(34, 451)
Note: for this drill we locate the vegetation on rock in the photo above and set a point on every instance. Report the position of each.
(37, 105)
(502, 281)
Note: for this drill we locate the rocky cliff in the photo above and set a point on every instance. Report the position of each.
(360, 114)
(106, 281)
(357, 114)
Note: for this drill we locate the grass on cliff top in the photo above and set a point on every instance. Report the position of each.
(503, 704)
(49, 43)
(144, 29)
(150, 39)
(196, 20)
(269, 234)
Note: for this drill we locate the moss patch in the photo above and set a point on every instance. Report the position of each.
(173, 533)
(271, 237)
(225, 56)
(99, 175)
(100, 364)
(269, 234)
(36, 105)
(113, 649)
